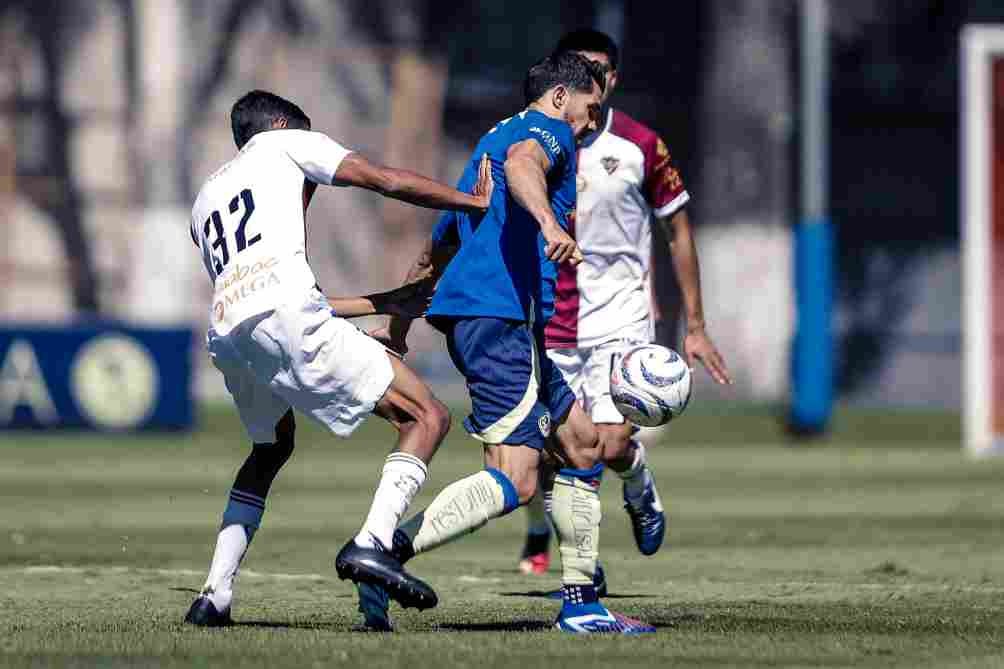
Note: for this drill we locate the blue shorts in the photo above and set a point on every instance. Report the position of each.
(515, 392)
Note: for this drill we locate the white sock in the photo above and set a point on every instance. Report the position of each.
(231, 546)
(402, 478)
(636, 476)
(461, 508)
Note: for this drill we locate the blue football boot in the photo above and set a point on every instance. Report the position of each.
(582, 613)
(648, 520)
(373, 604)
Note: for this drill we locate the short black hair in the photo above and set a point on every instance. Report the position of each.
(587, 39)
(565, 69)
(255, 112)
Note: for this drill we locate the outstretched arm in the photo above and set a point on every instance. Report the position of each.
(697, 345)
(526, 168)
(355, 170)
(409, 301)
(424, 273)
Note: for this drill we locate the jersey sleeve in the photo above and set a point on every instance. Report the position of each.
(557, 140)
(663, 186)
(315, 153)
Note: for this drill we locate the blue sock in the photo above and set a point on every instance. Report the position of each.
(579, 595)
(245, 509)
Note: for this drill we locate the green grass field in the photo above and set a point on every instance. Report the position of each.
(879, 548)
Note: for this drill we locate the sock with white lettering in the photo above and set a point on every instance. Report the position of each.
(461, 508)
(576, 513)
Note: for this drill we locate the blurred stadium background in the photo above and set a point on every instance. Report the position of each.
(113, 111)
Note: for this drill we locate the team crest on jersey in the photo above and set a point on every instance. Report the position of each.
(610, 164)
(672, 179)
(544, 423)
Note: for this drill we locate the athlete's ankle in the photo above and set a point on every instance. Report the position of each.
(577, 594)
(402, 549)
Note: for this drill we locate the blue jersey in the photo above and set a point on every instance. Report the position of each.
(500, 269)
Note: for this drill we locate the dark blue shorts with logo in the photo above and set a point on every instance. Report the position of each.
(516, 392)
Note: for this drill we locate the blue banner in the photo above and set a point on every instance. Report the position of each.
(98, 377)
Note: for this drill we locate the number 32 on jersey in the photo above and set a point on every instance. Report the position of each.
(215, 232)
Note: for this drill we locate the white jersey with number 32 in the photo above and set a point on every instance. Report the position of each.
(248, 221)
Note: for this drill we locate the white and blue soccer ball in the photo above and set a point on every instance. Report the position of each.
(650, 384)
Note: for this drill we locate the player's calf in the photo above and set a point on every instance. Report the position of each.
(422, 422)
(641, 497)
(241, 519)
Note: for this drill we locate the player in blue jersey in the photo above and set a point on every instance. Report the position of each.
(496, 276)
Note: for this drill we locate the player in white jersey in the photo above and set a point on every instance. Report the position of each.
(280, 346)
(604, 305)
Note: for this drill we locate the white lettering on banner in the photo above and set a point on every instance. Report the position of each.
(22, 385)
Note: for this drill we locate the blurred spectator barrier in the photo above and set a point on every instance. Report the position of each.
(95, 377)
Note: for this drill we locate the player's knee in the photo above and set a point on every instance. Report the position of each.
(439, 419)
(526, 488)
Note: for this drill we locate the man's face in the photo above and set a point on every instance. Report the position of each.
(582, 110)
(603, 61)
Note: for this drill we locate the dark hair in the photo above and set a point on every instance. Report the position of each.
(561, 69)
(256, 111)
(587, 39)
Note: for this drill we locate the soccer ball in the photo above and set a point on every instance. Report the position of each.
(650, 384)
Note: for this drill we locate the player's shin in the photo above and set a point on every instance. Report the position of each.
(461, 508)
(575, 512)
(636, 475)
(242, 517)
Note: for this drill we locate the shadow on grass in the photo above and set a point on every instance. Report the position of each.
(829, 619)
(555, 594)
(287, 625)
(509, 626)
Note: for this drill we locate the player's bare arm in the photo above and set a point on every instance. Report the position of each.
(356, 170)
(526, 168)
(423, 275)
(697, 345)
(408, 301)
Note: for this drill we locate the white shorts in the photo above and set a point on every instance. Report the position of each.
(587, 372)
(301, 356)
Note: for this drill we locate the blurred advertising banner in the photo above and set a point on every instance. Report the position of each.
(95, 377)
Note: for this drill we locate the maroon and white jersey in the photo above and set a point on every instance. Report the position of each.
(625, 175)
